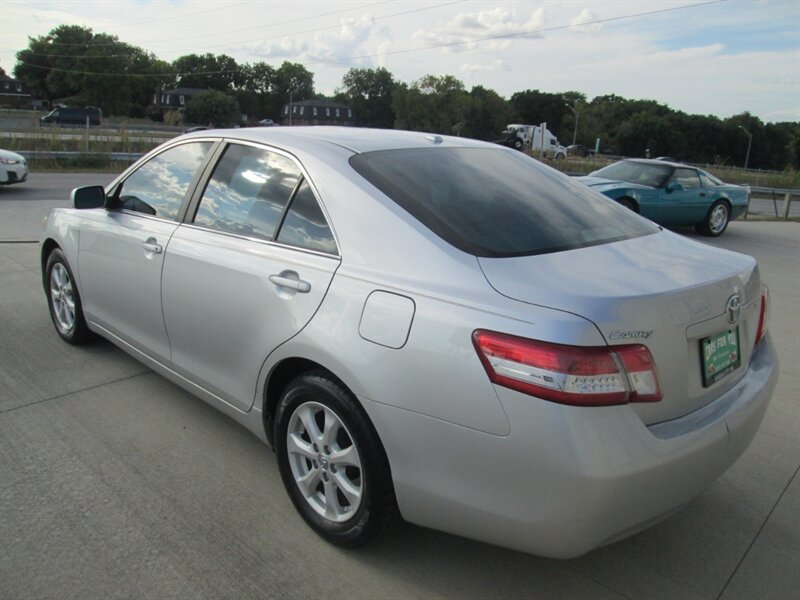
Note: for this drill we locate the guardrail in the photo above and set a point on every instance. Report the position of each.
(54, 154)
(789, 196)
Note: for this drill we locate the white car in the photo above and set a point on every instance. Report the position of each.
(425, 326)
(13, 168)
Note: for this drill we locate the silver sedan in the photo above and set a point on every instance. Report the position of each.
(427, 327)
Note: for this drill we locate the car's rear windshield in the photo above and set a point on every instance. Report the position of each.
(497, 202)
(636, 172)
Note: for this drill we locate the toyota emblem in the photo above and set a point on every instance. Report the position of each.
(732, 308)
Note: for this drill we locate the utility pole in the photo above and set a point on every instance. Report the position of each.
(749, 142)
(291, 91)
(575, 131)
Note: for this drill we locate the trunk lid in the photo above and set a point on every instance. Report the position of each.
(664, 291)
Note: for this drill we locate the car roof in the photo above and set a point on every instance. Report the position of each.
(655, 161)
(355, 139)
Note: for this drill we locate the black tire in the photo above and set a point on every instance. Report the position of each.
(717, 219)
(64, 300)
(629, 204)
(518, 144)
(350, 523)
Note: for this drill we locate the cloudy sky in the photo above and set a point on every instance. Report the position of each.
(717, 57)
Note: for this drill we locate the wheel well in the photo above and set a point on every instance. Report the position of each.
(277, 381)
(631, 201)
(726, 201)
(47, 247)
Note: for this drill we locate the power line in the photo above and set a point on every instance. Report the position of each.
(191, 14)
(420, 49)
(261, 39)
(317, 16)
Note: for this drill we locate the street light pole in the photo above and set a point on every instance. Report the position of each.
(575, 131)
(749, 142)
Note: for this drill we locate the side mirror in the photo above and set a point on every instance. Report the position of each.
(674, 186)
(91, 196)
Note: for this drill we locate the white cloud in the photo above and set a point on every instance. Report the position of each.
(347, 41)
(466, 27)
(470, 70)
(584, 22)
(289, 48)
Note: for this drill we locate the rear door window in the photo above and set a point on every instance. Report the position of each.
(248, 192)
(305, 225)
(688, 178)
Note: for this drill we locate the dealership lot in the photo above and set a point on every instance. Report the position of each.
(115, 483)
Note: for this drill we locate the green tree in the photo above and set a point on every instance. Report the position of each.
(369, 92)
(214, 108)
(434, 104)
(487, 114)
(534, 107)
(295, 79)
(206, 71)
(85, 68)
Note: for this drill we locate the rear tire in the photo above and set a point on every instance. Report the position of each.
(717, 219)
(332, 462)
(64, 301)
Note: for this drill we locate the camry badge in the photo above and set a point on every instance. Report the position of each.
(732, 308)
(629, 335)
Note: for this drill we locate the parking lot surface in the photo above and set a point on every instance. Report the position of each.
(114, 483)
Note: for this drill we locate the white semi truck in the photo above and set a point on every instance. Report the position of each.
(521, 136)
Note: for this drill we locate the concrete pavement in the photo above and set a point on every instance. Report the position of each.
(115, 483)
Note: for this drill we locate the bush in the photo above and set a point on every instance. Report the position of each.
(214, 108)
(173, 117)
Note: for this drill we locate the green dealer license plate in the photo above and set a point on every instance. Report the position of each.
(720, 355)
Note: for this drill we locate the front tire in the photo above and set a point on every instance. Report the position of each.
(332, 462)
(717, 219)
(629, 204)
(64, 301)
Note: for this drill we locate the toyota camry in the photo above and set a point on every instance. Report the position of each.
(425, 327)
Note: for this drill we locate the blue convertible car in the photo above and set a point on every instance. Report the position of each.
(672, 194)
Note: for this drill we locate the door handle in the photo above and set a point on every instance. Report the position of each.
(151, 246)
(292, 283)
(702, 194)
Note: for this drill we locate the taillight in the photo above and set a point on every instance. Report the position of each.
(576, 375)
(763, 316)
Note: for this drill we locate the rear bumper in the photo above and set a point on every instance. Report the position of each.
(738, 210)
(567, 479)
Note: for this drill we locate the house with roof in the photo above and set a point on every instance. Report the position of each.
(174, 99)
(317, 112)
(14, 93)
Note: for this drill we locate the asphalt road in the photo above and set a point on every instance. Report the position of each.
(114, 483)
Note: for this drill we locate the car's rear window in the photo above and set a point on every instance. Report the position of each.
(635, 172)
(497, 202)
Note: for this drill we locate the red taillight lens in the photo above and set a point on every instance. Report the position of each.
(576, 375)
(763, 316)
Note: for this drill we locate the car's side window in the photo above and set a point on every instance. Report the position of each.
(159, 186)
(686, 177)
(708, 181)
(248, 192)
(305, 225)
